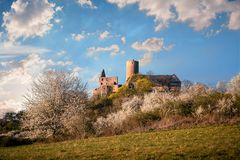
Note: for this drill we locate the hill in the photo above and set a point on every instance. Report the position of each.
(195, 143)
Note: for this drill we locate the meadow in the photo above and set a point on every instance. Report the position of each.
(213, 142)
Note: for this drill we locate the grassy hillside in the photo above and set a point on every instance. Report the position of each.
(210, 142)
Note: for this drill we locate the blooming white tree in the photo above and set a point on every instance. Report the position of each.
(56, 106)
(234, 85)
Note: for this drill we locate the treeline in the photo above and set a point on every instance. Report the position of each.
(58, 108)
(10, 122)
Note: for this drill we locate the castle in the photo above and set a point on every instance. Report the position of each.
(162, 83)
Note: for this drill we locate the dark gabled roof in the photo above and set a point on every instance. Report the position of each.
(164, 79)
(103, 73)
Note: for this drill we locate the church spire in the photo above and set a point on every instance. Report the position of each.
(103, 73)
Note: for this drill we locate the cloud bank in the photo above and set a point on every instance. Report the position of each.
(198, 14)
(16, 76)
(28, 19)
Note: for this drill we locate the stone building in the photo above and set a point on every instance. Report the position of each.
(107, 85)
(165, 82)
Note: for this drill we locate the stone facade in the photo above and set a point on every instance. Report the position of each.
(165, 82)
(107, 85)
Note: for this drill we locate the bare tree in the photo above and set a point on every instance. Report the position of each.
(221, 86)
(186, 84)
(56, 106)
(149, 73)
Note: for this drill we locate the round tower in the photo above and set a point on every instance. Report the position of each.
(132, 67)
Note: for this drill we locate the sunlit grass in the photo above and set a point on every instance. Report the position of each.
(211, 142)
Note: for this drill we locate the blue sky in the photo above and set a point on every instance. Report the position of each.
(196, 40)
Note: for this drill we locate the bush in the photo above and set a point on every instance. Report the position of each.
(115, 120)
(163, 102)
(234, 85)
(6, 141)
(209, 102)
(236, 103)
(185, 108)
(143, 119)
(101, 103)
(143, 86)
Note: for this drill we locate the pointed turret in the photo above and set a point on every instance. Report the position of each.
(103, 73)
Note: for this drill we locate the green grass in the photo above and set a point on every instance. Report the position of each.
(216, 142)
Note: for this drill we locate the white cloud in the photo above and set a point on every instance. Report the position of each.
(104, 35)
(234, 22)
(78, 37)
(86, 3)
(28, 19)
(57, 20)
(9, 48)
(63, 63)
(213, 33)
(113, 50)
(122, 3)
(123, 40)
(150, 46)
(60, 53)
(199, 14)
(17, 76)
(9, 106)
(59, 8)
(6, 56)
(77, 70)
(146, 59)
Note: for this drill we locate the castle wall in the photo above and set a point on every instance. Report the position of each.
(106, 86)
(109, 81)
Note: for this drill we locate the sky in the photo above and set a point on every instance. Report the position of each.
(196, 40)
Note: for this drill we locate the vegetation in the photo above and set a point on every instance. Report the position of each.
(10, 122)
(221, 142)
(137, 85)
(196, 105)
(56, 107)
(6, 141)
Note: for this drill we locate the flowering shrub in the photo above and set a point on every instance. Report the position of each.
(225, 107)
(114, 120)
(234, 85)
(160, 101)
(196, 101)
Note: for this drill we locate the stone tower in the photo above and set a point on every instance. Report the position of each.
(132, 67)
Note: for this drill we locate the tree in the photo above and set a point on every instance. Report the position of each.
(149, 73)
(198, 89)
(234, 85)
(221, 86)
(56, 106)
(10, 121)
(186, 84)
(143, 85)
